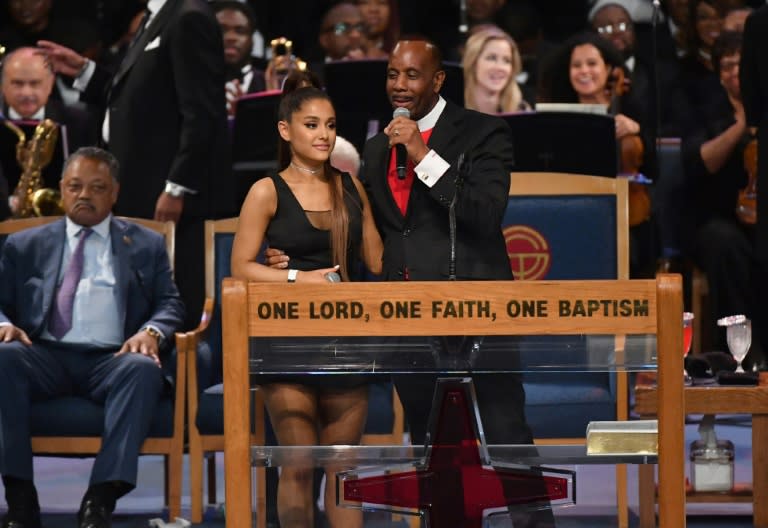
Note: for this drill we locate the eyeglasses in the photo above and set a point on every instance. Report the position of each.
(610, 29)
(345, 28)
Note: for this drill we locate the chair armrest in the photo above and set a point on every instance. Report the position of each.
(179, 404)
(192, 339)
(205, 317)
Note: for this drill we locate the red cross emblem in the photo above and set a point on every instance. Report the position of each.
(456, 484)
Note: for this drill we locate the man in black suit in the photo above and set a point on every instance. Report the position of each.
(77, 319)
(165, 121)
(753, 77)
(444, 142)
(237, 26)
(452, 154)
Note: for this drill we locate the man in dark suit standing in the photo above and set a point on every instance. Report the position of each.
(244, 76)
(443, 143)
(165, 121)
(87, 305)
(753, 79)
(452, 154)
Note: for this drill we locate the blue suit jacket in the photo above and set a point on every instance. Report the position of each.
(146, 293)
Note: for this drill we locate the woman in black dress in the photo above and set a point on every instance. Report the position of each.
(322, 218)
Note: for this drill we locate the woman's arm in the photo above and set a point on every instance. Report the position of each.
(716, 151)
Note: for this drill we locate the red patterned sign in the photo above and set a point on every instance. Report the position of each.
(457, 485)
(529, 253)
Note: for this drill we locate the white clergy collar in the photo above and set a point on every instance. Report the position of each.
(428, 121)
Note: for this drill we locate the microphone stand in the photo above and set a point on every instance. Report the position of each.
(452, 219)
(463, 25)
(459, 349)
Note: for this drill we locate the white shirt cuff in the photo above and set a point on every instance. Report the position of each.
(85, 76)
(175, 188)
(431, 168)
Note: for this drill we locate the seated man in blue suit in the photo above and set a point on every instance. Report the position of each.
(87, 304)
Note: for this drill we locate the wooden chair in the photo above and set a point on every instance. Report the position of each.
(204, 387)
(80, 421)
(568, 226)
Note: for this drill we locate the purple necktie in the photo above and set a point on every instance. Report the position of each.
(61, 315)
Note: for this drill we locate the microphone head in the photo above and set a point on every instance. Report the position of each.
(401, 112)
(332, 276)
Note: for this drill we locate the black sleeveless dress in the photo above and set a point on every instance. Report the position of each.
(309, 248)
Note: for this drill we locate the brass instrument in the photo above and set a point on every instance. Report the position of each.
(282, 63)
(31, 199)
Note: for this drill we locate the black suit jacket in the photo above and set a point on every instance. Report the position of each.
(419, 241)
(167, 112)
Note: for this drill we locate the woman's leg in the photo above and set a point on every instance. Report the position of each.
(342, 420)
(293, 412)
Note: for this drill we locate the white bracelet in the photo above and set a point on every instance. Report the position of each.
(292, 273)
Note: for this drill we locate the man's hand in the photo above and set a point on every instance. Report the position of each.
(62, 59)
(275, 258)
(10, 333)
(169, 207)
(141, 343)
(405, 131)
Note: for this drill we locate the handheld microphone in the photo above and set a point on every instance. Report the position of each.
(401, 156)
(332, 276)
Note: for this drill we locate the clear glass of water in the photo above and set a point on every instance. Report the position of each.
(739, 337)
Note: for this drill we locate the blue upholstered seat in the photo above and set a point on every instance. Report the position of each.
(73, 416)
(568, 236)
